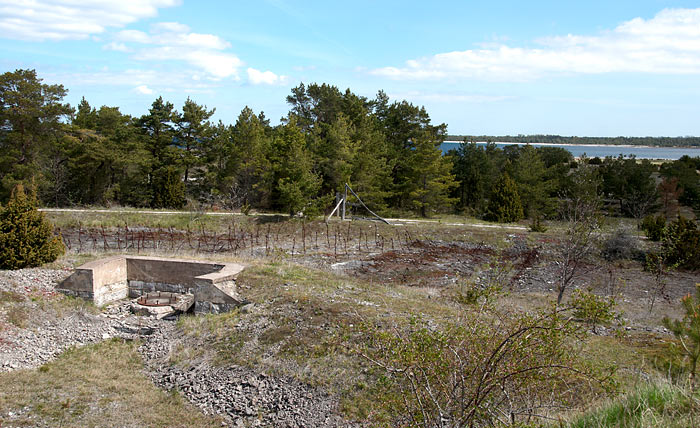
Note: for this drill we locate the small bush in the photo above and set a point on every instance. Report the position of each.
(653, 227)
(687, 330)
(505, 205)
(592, 309)
(26, 237)
(473, 370)
(537, 226)
(621, 245)
(682, 244)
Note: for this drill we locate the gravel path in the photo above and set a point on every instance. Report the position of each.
(243, 396)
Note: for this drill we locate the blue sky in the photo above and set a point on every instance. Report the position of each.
(595, 68)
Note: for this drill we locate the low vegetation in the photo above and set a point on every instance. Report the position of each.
(96, 385)
(649, 405)
(26, 237)
(440, 323)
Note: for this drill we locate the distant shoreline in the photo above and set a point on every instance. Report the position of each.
(509, 143)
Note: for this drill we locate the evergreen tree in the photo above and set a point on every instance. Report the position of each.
(534, 184)
(297, 185)
(335, 153)
(631, 183)
(193, 132)
(248, 169)
(429, 178)
(476, 169)
(504, 204)
(403, 124)
(168, 188)
(685, 170)
(26, 237)
(156, 128)
(371, 166)
(30, 114)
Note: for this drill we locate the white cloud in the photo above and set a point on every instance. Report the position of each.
(143, 90)
(131, 78)
(40, 20)
(257, 77)
(114, 46)
(169, 27)
(172, 41)
(667, 43)
(442, 97)
(134, 36)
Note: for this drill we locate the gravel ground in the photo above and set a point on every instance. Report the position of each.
(48, 329)
(241, 395)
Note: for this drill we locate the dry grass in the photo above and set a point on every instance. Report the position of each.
(99, 385)
(649, 405)
(302, 326)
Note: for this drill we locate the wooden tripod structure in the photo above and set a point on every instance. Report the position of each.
(340, 207)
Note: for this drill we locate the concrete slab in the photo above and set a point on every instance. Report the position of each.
(106, 280)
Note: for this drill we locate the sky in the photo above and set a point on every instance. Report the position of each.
(586, 68)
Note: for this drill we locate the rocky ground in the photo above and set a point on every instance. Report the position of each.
(242, 396)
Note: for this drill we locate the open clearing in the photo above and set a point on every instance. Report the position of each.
(290, 358)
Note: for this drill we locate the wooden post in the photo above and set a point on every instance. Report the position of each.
(345, 198)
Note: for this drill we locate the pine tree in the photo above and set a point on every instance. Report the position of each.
(504, 205)
(534, 184)
(687, 330)
(26, 237)
(168, 188)
(429, 179)
(297, 185)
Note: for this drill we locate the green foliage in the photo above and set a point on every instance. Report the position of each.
(26, 237)
(685, 171)
(631, 183)
(537, 226)
(193, 134)
(649, 405)
(388, 151)
(428, 177)
(482, 293)
(682, 243)
(297, 184)
(30, 114)
(474, 371)
(653, 227)
(534, 181)
(476, 168)
(504, 204)
(687, 330)
(593, 309)
(168, 188)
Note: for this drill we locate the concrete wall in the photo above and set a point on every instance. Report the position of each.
(107, 280)
(168, 271)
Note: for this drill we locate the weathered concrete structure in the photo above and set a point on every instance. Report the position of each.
(106, 280)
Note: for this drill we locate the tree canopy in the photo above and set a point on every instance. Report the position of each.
(387, 150)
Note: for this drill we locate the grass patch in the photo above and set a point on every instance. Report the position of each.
(301, 323)
(650, 405)
(10, 297)
(97, 385)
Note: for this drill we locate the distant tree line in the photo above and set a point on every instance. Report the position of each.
(388, 151)
(558, 139)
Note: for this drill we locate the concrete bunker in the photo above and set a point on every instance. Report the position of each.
(212, 284)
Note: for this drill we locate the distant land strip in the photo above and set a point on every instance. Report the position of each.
(558, 139)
